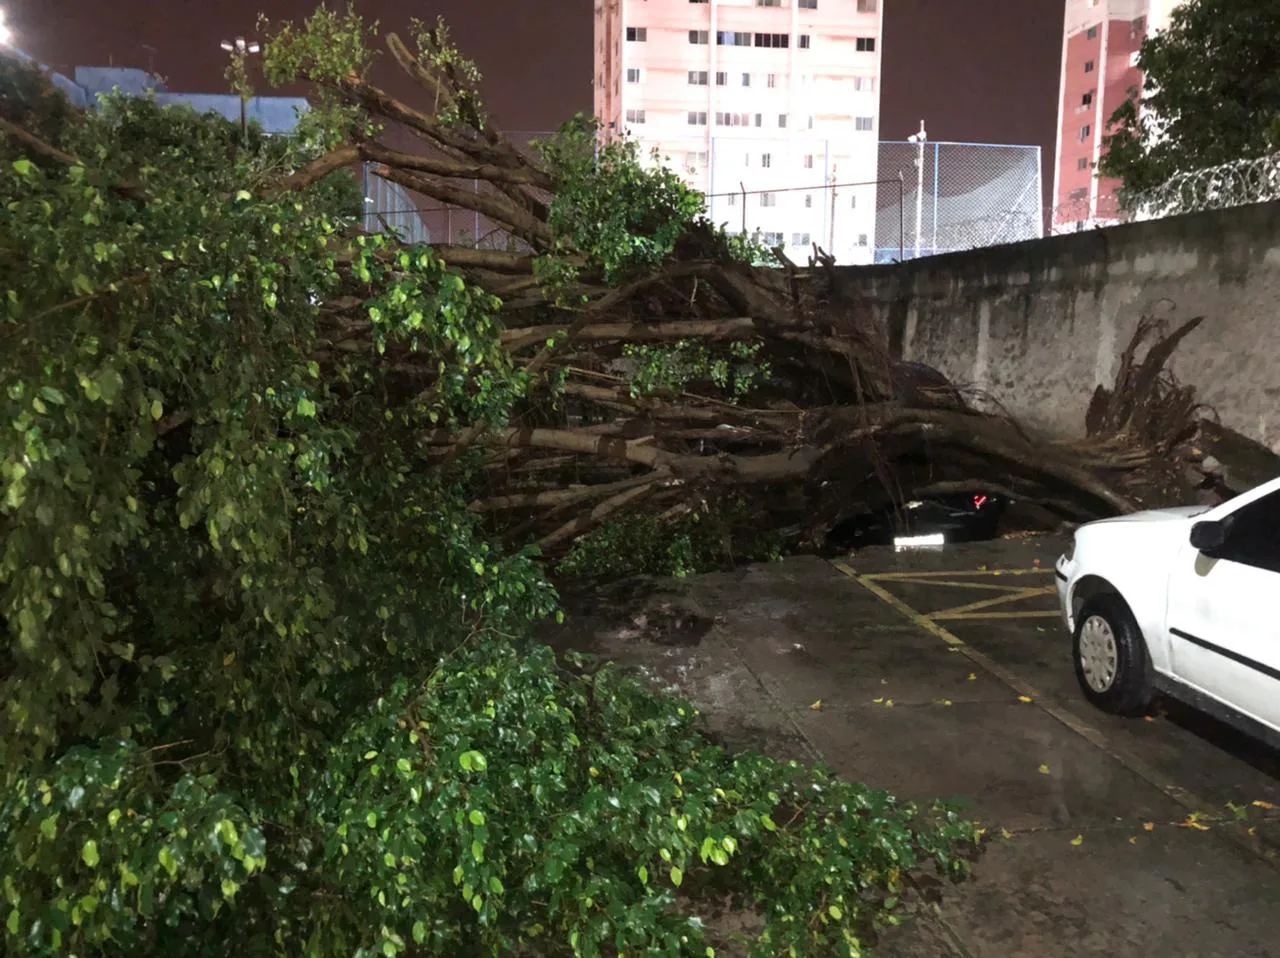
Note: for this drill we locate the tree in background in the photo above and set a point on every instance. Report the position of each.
(1211, 94)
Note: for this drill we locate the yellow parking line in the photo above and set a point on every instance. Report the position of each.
(890, 576)
(1090, 734)
(1011, 595)
(976, 616)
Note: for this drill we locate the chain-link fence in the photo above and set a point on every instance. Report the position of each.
(799, 192)
(957, 196)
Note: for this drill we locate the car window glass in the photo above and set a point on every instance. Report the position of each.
(1253, 534)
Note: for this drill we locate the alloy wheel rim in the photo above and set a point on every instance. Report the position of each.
(1098, 656)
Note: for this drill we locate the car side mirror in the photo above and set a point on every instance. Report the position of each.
(1208, 537)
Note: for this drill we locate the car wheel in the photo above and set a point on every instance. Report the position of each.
(1110, 654)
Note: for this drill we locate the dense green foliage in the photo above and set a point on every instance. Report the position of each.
(1211, 94)
(701, 540)
(267, 687)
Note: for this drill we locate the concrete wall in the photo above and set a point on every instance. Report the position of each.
(1041, 324)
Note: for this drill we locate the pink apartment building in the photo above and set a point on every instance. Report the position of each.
(1100, 44)
(770, 107)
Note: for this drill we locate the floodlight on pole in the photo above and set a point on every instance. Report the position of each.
(919, 139)
(240, 47)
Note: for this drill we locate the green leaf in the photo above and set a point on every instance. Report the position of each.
(14, 922)
(476, 817)
(306, 408)
(89, 853)
(371, 819)
(835, 912)
(677, 876)
(23, 168)
(419, 932)
(157, 409)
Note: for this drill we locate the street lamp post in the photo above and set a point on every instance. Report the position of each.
(919, 140)
(241, 48)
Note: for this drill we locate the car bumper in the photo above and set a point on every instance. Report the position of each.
(1063, 573)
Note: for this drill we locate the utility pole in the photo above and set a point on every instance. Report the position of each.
(919, 139)
(242, 48)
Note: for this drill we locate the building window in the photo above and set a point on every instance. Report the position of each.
(699, 36)
(759, 119)
(746, 79)
(808, 161)
(635, 116)
(731, 199)
(865, 44)
(772, 239)
(730, 38)
(1080, 194)
(778, 40)
(697, 78)
(808, 201)
(697, 1)
(637, 34)
(782, 121)
(1082, 163)
(864, 124)
(799, 239)
(768, 3)
(733, 119)
(802, 41)
(1085, 131)
(866, 6)
(864, 84)
(697, 119)
(721, 78)
(633, 74)
(766, 160)
(1091, 33)
(810, 126)
(695, 160)
(853, 202)
(771, 80)
(768, 199)
(1087, 99)
(862, 239)
(808, 4)
(1088, 66)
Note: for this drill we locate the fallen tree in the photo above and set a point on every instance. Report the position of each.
(666, 368)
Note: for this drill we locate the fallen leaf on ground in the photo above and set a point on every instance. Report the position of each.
(1192, 821)
(1148, 718)
(884, 681)
(1044, 769)
(879, 701)
(817, 706)
(973, 676)
(1133, 841)
(888, 703)
(946, 701)
(1006, 834)
(1078, 840)
(1253, 830)
(1149, 826)
(1259, 803)
(1024, 698)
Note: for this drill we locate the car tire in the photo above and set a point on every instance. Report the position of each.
(1110, 656)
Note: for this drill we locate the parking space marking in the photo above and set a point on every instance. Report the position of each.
(1188, 800)
(1006, 594)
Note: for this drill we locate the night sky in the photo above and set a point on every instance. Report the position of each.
(974, 70)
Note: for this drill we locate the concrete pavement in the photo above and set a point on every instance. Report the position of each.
(947, 675)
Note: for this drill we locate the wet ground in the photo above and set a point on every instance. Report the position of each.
(948, 674)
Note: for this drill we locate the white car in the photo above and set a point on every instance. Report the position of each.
(1183, 601)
